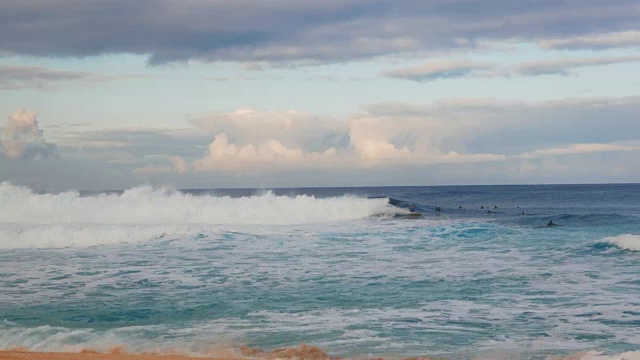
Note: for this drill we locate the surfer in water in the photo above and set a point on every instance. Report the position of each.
(550, 223)
(412, 208)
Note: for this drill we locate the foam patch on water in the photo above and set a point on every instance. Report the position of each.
(162, 340)
(626, 241)
(30, 220)
(135, 339)
(596, 355)
(85, 235)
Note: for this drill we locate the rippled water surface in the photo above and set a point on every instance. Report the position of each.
(159, 269)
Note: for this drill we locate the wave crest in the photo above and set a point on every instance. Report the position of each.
(625, 241)
(69, 219)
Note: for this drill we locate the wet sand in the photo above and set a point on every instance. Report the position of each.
(25, 355)
(302, 352)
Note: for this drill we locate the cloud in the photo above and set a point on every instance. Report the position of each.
(450, 141)
(23, 139)
(452, 131)
(438, 70)
(293, 129)
(136, 143)
(490, 126)
(378, 140)
(15, 77)
(147, 151)
(225, 156)
(251, 140)
(564, 66)
(293, 31)
(595, 41)
(21, 77)
(583, 149)
(178, 165)
(457, 69)
(221, 78)
(66, 173)
(246, 138)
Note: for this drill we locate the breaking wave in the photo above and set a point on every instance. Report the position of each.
(29, 219)
(625, 242)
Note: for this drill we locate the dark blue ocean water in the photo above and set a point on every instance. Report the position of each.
(341, 268)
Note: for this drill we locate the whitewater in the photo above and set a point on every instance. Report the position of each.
(142, 213)
(158, 269)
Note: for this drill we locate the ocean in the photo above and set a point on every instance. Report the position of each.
(155, 269)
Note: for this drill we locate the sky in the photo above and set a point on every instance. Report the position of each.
(111, 94)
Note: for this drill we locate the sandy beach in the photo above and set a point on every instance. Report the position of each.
(301, 352)
(25, 355)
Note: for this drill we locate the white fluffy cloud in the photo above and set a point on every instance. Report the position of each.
(453, 141)
(445, 132)
(293, 129)
(23, 139)
(223, 155)
(249, 140)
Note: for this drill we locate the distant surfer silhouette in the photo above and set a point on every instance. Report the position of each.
(550, 223)
(412, 208)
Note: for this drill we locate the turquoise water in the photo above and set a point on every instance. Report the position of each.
(158, 269)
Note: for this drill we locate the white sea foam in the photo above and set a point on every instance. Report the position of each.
(83, 235)
(28, 219)
(626, 241)
(596, 355)
(135, 339)
(207, 339)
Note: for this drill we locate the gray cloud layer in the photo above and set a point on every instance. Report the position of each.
(294, 30)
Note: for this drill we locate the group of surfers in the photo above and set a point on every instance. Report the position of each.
(414, 209)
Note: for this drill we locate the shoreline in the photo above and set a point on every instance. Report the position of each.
(118, 353)
(304, 352)
(87, 355)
